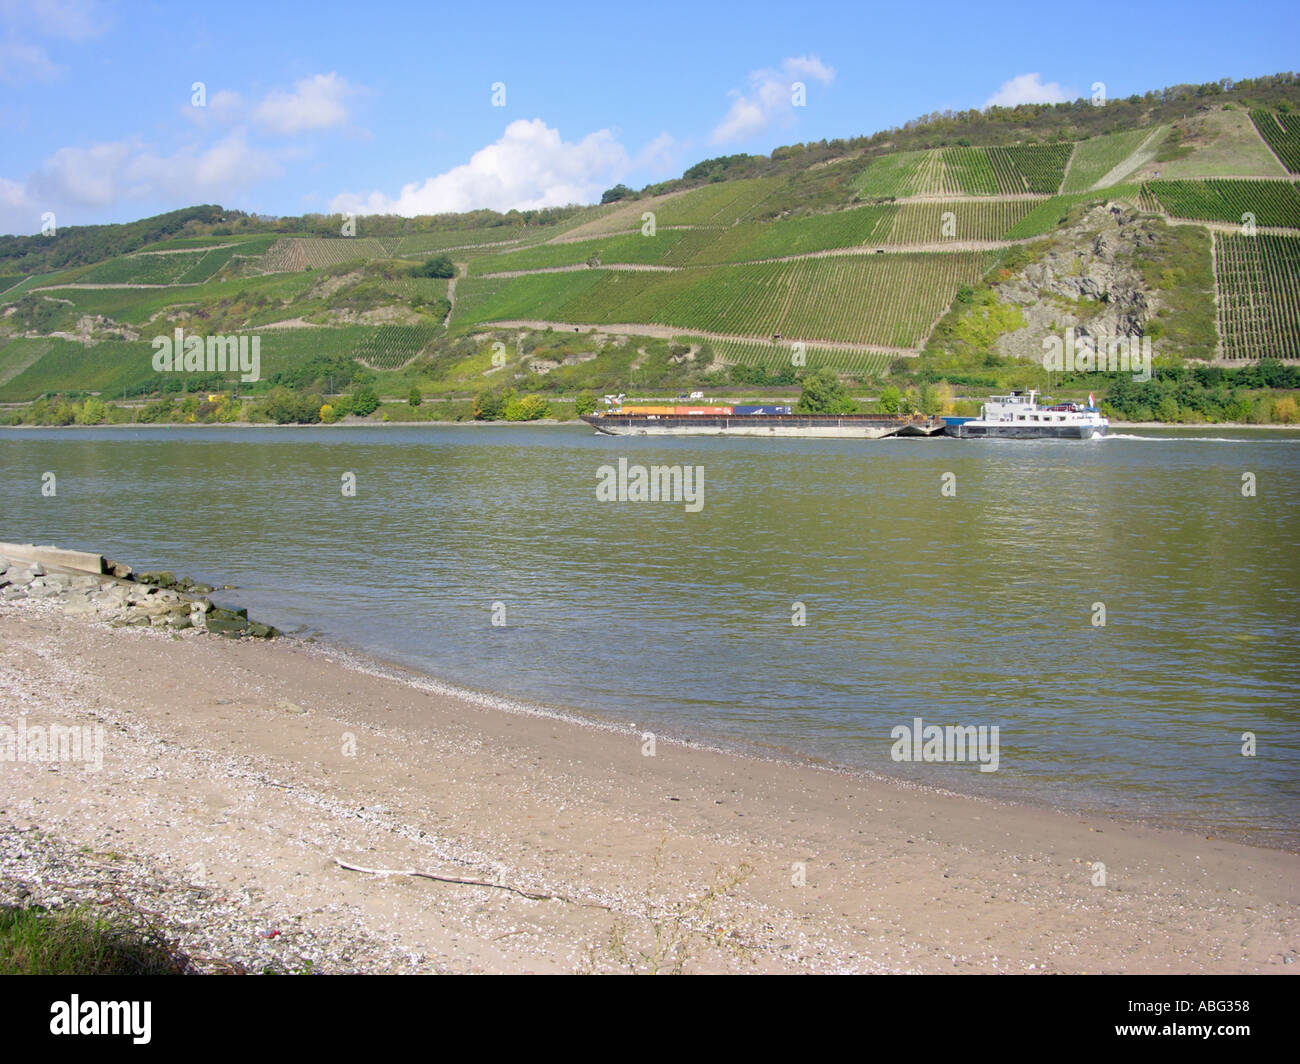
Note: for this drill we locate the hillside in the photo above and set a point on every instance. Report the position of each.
(1173, 216)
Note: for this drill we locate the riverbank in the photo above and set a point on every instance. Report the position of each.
(572, 422)
(237, 774)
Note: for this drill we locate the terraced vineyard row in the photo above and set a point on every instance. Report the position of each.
(1228, 199)
(1035, 168)
(1282, 134)
(969, 172)
(790, 236)
(427, 243)
(1046, 215)
(724, 203)
(820, 232)
(540, 295)
(32, 367)
(961, 171)
(628, 248)
(889, 300)
(1093, 159)
(1258, 281)
(631, 297)
(207, 266)
(704, 247)
(143, 269)
(417, 289)
(776, 356)
(893, 175)
(177, 243)
(298, 253)
(925, 223)
(392, 346)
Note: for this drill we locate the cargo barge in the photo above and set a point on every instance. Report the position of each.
(770, 421)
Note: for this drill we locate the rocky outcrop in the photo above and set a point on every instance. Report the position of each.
(1087, 279)
(90, 585)
(92, 328)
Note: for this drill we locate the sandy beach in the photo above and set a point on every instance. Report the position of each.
(237, 774)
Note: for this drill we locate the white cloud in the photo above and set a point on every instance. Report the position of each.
(317, 102)
(238, 143)
(84, 177)
(22, 63)
(529, 167)
(1029, 88)
(12, 194)
(770, 95)
(76, 180)
(22, 60)
(69, 19)
(225, 102)
(659, 156)
(194, 175)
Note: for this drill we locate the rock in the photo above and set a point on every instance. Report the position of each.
(225, 622)
(163, 579)
(1094, 286)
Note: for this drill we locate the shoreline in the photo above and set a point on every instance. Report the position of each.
(555, 423)
(235, 761)
(373, 663)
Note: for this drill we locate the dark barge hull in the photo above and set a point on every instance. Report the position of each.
(846, 427)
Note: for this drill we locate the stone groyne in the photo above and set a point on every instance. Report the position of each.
(91, 585)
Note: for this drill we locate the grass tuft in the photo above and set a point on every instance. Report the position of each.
(35, 941)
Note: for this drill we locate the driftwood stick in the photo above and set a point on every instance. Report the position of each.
(448, 879)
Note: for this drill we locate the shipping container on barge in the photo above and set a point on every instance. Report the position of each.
(766, 421)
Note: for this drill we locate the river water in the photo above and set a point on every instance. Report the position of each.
(482, 555)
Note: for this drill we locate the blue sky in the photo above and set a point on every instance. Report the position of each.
(389, 106)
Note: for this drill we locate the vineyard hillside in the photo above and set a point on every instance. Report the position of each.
(959, 243)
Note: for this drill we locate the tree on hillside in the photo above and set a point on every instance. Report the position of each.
(618, 192)
(364, 401)
(824, 394)
(437, 266)
(488, 405)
